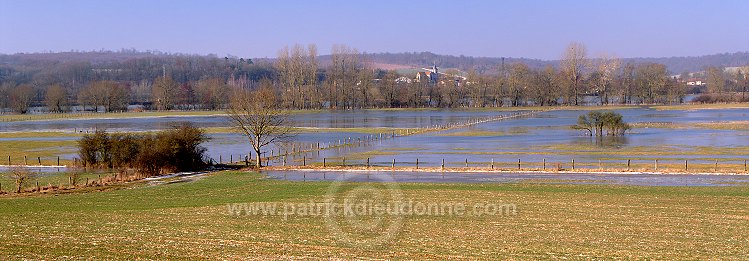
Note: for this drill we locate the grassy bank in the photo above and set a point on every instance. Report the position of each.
(191, 220)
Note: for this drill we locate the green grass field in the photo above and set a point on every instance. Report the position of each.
(190, 220)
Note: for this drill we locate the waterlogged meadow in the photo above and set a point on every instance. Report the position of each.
(677, 138)
(703, 136)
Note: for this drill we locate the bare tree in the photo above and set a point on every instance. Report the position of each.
(518, 80)
(606, 68)
(742, 82)
(21, 97)
(297, 68)
(5, 91)
(651, 81)
(574, 62)
(164, 92)
(109, 95)
(56, 98)
(716, 80)
(627, 82)
(310, 76)
(257, 115)
(211, 93)
(545, 87)
(20, 175)
(389, 89)
(476, 88)
(342, 76)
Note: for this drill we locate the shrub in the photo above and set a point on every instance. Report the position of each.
(178, 149)
(95, 149)
(173, 150)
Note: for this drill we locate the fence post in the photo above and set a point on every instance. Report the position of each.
(231, 158)
(744, 165)
(656, 165)
(573, 164)
(58, 160)
(518, 164)
(716, 165)
(443, 164)
(25, 161)
(686, 164)
(304, 160)
(284, 161)
(466, 163)
(323, 162)
(544, 164)
(393, 163)
(492, 163)
(417, 163)
(628, 165)
(39, 159)
(367, 162)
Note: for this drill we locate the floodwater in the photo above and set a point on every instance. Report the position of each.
(532, 178)
(37, 169)
(547, 136)
(544, 136)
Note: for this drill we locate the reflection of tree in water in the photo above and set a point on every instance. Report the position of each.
(613, 142)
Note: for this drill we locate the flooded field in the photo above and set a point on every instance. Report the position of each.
(671, 137)
(548, 137)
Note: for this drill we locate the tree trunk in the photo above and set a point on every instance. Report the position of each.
(257, 160)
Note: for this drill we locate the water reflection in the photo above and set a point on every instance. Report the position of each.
(612, 142)
(533, 178)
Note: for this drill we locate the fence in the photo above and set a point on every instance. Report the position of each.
(299, 152)
(38, 161)
(585, 165)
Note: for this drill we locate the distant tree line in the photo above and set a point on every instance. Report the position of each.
(345, 79)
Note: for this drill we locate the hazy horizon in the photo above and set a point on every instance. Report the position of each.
(518, 29)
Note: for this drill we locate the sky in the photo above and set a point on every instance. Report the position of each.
(493, 28)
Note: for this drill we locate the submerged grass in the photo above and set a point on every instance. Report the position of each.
(373, 131)
(121, 115)
(191, 220)
(46, 149)
(701, 106)
(718, 125)
(38, 134)
(111, 115)
(484, 133)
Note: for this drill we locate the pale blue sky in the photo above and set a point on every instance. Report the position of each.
(533, 29)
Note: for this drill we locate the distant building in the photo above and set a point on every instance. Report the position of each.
(695, 82)
(431, 75)
(403, 79)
